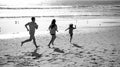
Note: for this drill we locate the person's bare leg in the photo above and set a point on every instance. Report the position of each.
(50, 41)
(71, 35)
(70, 39)
(25, 41)
(53, 39)
(34, 41)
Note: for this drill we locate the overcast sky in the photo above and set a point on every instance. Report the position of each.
(42, 2)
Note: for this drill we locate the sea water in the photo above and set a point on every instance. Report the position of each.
(13, 19)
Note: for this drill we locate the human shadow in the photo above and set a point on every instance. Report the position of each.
(35, 54)
(58, 50)
(77, 45)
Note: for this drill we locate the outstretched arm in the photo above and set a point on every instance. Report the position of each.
(26, 26)
(66, 29)
(75, 27)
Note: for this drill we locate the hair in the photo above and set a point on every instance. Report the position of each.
(33, 18)
(71, 25)
(53, 23)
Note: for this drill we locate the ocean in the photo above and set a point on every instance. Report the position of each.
(13, 18)
(63, 9)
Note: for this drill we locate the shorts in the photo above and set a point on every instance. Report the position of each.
(52, 34)
(31, 35)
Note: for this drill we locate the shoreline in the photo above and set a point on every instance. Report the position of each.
(19, 31)
(82, 30)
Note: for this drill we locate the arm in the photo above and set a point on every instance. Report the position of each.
(26, 26)
(75, 27)
(36, 26)
(66, 29)
(49, 27)
(56, 28)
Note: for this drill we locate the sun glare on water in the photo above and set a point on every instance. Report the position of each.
(24, 3)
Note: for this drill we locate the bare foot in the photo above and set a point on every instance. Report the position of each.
(52, 43)
(37, 47)
(49, 46)
(21, 44)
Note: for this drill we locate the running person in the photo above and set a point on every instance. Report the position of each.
(32, 26)
(71, 28)
(52, 29)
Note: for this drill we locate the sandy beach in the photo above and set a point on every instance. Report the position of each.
(96, 40)
(92, 46)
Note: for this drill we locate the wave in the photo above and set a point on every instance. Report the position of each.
(59, 11)
(36, 7)
(59, 16)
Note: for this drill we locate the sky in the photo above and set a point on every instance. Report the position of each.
(40, 2)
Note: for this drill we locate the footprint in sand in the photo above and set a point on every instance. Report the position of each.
(3, 61)
(33, 54)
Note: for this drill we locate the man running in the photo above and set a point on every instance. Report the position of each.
(32, 26)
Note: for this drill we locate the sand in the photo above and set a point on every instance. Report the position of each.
(96, 46)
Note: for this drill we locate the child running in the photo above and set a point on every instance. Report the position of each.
(32, 26)
(70, 28)
(52, 29)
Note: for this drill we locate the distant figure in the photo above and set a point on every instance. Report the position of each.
(32, 26)
(16, 22)
(52, 29)
(70, 28)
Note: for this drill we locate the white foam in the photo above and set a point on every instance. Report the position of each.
(17, 35)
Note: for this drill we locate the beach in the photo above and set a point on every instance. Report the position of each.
(95, 40)
(92, 46)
